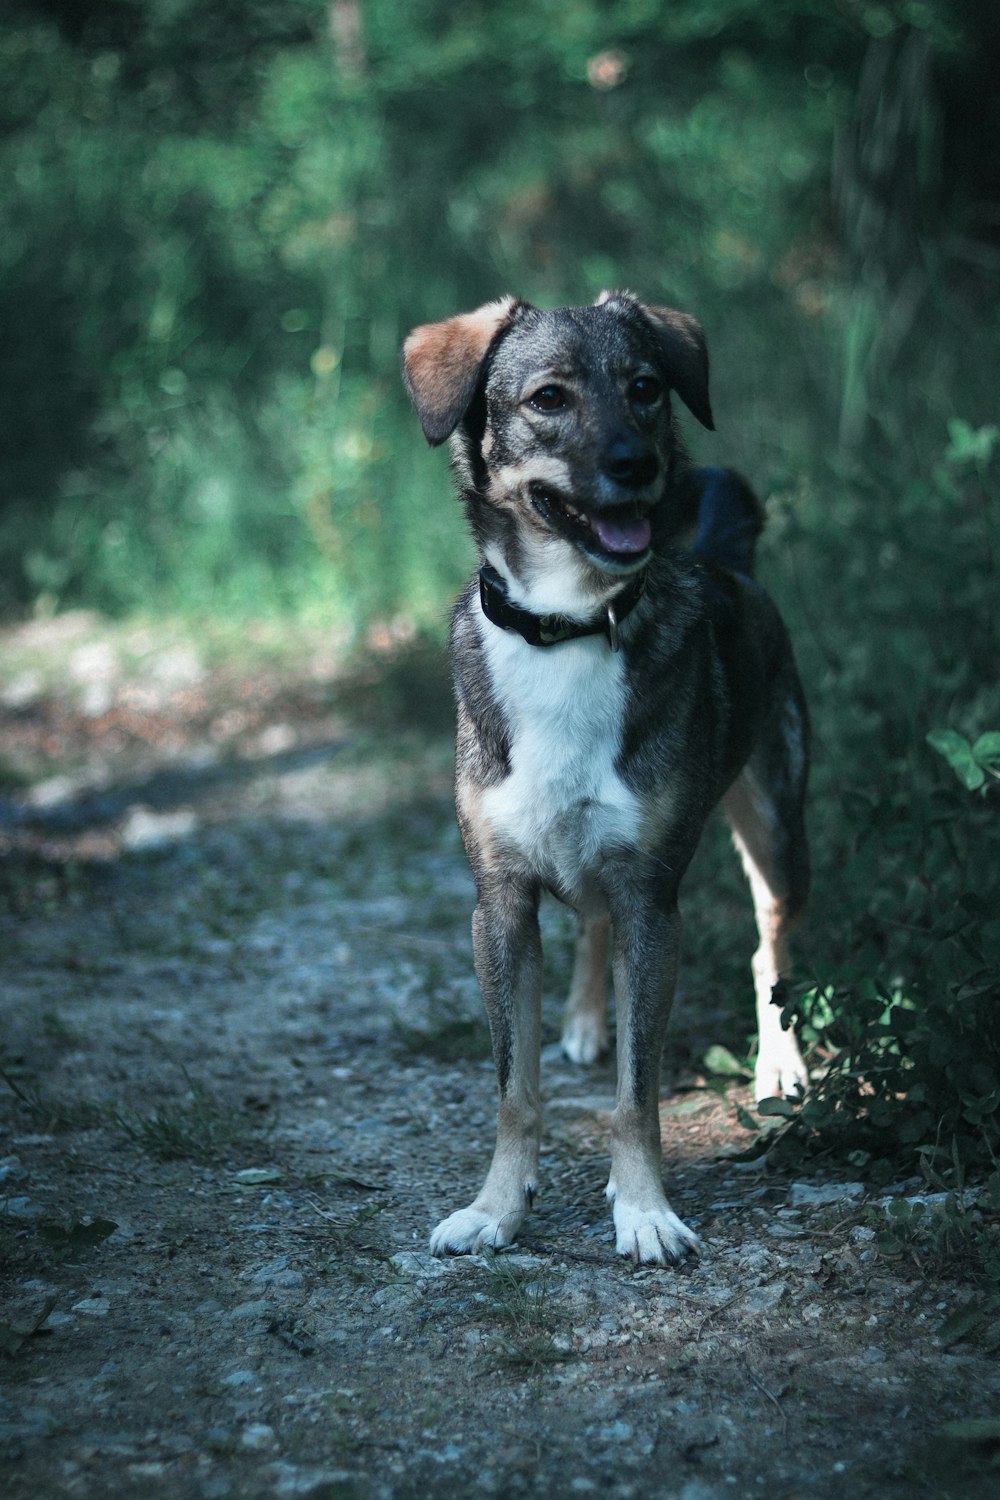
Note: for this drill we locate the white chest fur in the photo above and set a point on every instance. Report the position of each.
(563, 806)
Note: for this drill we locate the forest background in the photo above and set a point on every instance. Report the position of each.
(220, 221)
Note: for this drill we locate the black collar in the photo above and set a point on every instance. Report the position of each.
(552, 630)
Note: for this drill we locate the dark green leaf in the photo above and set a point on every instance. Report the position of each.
(777, 1106)
(719, 1059)
(962, 1320)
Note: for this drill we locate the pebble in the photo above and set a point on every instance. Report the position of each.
(766, 1297)
(24, 1421)
(93, 1307)
(259, 1309)
(146, 830)
(278, 1273)
(287, 1481)
(20, 1207)
(819, 1195)
(258, 1436)
(420, 1263)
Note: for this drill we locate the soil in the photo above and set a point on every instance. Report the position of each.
(244, 1073)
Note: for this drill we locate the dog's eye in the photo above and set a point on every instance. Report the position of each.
(645, 390)
(548, 398)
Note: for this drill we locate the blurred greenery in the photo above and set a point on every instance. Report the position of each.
(219, 222)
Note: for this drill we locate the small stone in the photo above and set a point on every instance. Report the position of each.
(258, 1309)
(20, 1207)
(93, 1307)
(420, 1263)
(766, 1297)
(279, 1274)
(821, 1195)
(258, 1436)
(145, 829)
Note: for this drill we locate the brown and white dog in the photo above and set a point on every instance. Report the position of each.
(612, 686)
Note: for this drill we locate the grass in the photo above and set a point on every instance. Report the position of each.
(520, 1299)
(199, 1128)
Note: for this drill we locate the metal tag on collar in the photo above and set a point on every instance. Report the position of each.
(613, 627)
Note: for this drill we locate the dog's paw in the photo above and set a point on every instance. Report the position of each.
(781, 1075)
(652, 1236)
(584, 1038)
(472, 1229)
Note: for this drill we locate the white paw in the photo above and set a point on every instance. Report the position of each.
(652, 1236)
(472, 1229)
(584, 1038)
(781, 1073)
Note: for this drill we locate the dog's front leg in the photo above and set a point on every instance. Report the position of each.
(508, 954)
(646, 949)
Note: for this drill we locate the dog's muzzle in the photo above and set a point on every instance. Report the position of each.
(616, 534)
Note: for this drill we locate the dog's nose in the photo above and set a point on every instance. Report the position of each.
(630, 463)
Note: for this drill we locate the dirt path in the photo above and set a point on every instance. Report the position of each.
(245, 1074)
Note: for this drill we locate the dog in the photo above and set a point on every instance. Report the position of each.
(615, 678)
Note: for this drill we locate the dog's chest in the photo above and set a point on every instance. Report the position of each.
(563, 806)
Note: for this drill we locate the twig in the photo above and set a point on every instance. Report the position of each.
(770, 1396)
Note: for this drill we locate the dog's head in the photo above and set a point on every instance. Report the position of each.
(561, 421)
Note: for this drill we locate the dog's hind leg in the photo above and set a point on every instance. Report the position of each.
(585, 1020)
(769, 833)
(507, 947)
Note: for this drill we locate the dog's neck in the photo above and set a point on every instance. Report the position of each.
(546, 576)
(553, 628)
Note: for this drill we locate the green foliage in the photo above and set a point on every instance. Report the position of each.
(720, 1062)
(895, 624)
(222, 221)
(950, 1232)
(910, 1046)
(972, 764)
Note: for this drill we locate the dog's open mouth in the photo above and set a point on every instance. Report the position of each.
(622, 534)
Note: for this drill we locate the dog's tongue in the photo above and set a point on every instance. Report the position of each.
(622, 533)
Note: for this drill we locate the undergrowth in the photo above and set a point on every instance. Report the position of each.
(900, 1003)
(200, 1128)
(520, 1298)
(909, 1070)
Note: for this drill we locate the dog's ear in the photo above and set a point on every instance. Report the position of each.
(441, 364)
(686, 356)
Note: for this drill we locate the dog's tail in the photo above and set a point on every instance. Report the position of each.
(730, 519)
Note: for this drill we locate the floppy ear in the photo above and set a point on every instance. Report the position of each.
(441, 364)
(686, 355)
